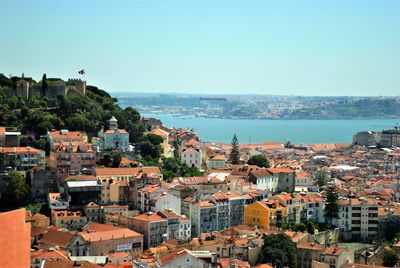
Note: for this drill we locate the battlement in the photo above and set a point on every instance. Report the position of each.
(79, 84)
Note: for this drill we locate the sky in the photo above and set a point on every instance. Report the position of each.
(299, 47)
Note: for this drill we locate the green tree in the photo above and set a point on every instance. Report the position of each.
(16, 191)
(154, 139)
(44, 85)
(279, 250)
(259, 160)
(322, 178)
(147, 149)
(390, 258)
(331, 207)
(173, 167)
(234, 156)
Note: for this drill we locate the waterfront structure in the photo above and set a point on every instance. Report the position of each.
(366, 138)
(266, 214)
(390, 137)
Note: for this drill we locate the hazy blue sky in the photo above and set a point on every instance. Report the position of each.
(335, 47)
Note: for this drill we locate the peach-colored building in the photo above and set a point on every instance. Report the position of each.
(15, 239)
(21, 158)
(69, 157)
(59, 136)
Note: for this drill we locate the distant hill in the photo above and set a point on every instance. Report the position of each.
(364, 108)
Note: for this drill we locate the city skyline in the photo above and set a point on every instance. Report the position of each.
(310, 48)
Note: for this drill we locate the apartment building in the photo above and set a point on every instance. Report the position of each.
(65, 136)
(293, 203)
(178, 226)
(358, 218)
(152, 226)
(204, 217)
(72, 157)
(68, 219)
(266, 214)
(21, 158)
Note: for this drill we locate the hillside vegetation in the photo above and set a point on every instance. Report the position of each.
(33, 117)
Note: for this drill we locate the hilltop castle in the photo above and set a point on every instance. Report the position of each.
(26, 88)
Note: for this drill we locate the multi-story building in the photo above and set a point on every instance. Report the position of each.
(9, 138)
(178, 226)
(314, 205)
(168, 150)
(65, 136)
(192, 157)
(58, 201)
(217, 161)
(72, 157)
(390, 137)
(21, 158)
(93, 212)
(264, 180)
(204, 217)
(102, 239)
(358, 218)
(335, 257)
(286, 178)
(293, 203)
(69, 219)
(113, 138)
(266, 214)
(152, 226)
(41, 180)
(230, 208)
(81, 189)
(308, 252)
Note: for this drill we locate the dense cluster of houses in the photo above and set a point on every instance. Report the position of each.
(129, 216)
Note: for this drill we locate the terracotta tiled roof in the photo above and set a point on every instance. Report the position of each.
(70, 135)
(262, 172)
(57, 238)
(167, 258)
(335, 251)
(109, 235)
(149, 217)
(204, 204)
(20, 150)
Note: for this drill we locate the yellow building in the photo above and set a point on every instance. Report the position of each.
(266, 214)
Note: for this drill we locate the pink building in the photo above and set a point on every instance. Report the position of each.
(72, 157)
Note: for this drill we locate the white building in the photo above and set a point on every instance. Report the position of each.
(192, 157)
(165, 201)
(264, 180)
(358, 218)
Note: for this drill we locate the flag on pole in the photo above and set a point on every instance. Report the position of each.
(82, 72)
